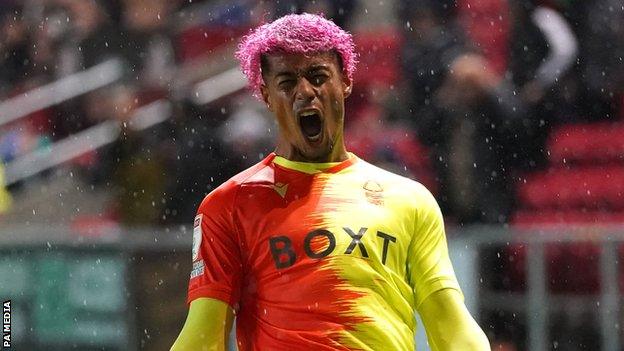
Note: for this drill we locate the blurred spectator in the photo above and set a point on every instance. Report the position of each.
(249, 132)
(601, 34)
(14, 47)
(92, 38)
(198, 162)
(374, 136)
(430, 46)
(478, 126)
(133, 167)
(339, 11)
(146, 43)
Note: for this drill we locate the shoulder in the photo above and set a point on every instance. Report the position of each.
(405, 196)
(224, 196)
(411, 190)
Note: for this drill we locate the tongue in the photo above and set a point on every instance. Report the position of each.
(311, 125)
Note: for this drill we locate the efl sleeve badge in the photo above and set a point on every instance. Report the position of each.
(197, 236)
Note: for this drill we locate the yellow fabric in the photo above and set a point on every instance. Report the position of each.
(305, 167)
(417, 262)
(449, 325)
(5, 197)
(207, 327)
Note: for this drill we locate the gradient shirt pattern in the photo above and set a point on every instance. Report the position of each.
(322, 257)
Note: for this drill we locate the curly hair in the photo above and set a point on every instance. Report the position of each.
(297, 34)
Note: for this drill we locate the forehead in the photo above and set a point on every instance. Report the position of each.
(288, 62)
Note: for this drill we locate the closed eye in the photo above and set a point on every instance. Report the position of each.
(286, 83)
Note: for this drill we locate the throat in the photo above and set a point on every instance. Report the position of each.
(337, 151)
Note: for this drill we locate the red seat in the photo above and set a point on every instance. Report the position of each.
(587, 143)
(379, 54)
(589, 187)
(529, 218)
(202, 40)
(589, 190)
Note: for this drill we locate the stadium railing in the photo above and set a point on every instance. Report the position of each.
(57, 153)
(63, 89)
(118, 255)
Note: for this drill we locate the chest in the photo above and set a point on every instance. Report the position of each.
(302, 225)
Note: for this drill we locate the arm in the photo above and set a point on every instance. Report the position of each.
(438, 297)
(215, 282)
(448, 323)
(207, 326)
(561, 41)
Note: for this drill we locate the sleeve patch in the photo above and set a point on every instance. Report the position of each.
(198, 269)
(197, 236)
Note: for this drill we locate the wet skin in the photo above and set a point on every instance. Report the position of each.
(306, 94)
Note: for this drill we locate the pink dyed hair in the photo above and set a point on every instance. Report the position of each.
(297, 34)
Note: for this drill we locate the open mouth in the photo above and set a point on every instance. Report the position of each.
(311, 125)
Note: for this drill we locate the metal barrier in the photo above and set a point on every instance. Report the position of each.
(84, 141)
(129, 249)
(538, 299)
(90, 139)
(61, 90)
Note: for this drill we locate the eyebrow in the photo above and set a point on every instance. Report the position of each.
(313, 68)
(319, 67)
(284, 73)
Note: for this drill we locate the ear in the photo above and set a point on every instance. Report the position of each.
(347, 86)
(265, 96)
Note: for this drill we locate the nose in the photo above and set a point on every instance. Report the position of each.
(304, 90)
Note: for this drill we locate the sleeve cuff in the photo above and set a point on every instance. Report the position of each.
(213, 293)
(436, 285)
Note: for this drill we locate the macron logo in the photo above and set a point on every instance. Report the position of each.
(281, 189)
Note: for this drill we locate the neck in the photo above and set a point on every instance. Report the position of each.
(338, 152)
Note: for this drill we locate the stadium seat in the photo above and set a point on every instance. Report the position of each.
(545, 217)
(373, 67)
(202, 40)
(587, 143)
(588, 187)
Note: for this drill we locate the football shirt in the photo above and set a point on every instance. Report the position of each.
(320, 256)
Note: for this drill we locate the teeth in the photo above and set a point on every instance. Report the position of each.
(308, 113)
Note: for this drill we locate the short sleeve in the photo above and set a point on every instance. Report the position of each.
(217, 266)
(429, 265)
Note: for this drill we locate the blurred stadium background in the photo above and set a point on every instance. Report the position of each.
(118, 116)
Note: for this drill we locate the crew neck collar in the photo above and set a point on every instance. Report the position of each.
(313, 167)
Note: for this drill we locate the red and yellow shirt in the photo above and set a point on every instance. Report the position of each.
(320, 256)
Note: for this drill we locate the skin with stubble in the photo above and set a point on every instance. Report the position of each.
(306, 93)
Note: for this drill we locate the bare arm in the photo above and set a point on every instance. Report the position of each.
(207, 326)
(449, 325)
